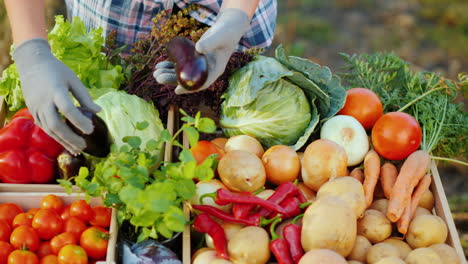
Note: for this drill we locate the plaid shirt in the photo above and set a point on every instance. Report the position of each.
(132, 18)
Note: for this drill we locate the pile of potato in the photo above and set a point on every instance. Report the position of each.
(339, 221)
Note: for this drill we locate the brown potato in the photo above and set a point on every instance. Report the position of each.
(360, 249)
(230, 229)
(374, 226)
(427, 200)
(347, 188)
(329, 223)
(241, 171)
(249, 245)
(380, 205)
(401, 245)
(446, 253)
(391, 260)
(380, 251)
(423, 255)
(354, 262)
(420, 211)
(426, 230)
(307, 192)
(322, 256)
(323, 159)
(245, 143)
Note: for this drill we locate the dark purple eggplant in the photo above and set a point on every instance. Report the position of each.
(99, 141)
(148, 252)
(191, 66)
(69, 165)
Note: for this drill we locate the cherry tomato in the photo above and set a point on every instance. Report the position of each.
(53, 202)
(72, 254)
(22, 219)
(33, 211)
(22, 257)
(47, 223)
(44, 249)
(82, 210)
(57, 242)
(5, 250)
(5, 230)
(396, 135)
(94, 240)
(102, 216)
(49, 259)
(75, 226)
(203, 149)
(24, 237)
(65, 214)
(364, 105)
(8, 211)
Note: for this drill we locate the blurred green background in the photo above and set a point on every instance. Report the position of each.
(430, 34)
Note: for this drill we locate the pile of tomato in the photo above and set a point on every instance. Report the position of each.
(54, 233)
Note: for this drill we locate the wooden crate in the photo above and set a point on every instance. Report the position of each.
(441, 209)
(31, 199)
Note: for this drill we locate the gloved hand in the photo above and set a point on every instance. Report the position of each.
(217, 43)
(46, 83)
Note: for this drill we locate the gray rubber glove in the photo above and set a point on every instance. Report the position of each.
(217, 43)
(46, 83)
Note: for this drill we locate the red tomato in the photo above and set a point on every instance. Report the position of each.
(22, 257)
(65, 214)
(47, 223)
(49, 259)
(94, 240)
(22, 219)
(62, 240)
(75, 226)
(72, 254)
(364, 105)
(5, 250)
(82, 210)
(24, 236)
(5, 230)
(203, 149)
(33, 211)
(8, 211)
(44, 249)
(53, 202)
(102, 216)
(396, 135)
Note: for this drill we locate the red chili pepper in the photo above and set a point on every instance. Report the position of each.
(283, 191)
(291, 206)
(279, 247)
(224, 197)
(27, 153)
(292, 235)
(241, 210)
(204, 224)
(250, 220)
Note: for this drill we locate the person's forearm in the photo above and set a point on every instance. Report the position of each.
(27, 19)
(248, 6)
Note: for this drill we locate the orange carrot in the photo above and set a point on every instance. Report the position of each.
(405, 219)
(418, 193)
(357, 174)
(388, 175)
(371, 175)
(410, 209)
(413, 169)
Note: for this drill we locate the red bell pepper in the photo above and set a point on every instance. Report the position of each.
(204, 224)
(27, 153)
(279, 246)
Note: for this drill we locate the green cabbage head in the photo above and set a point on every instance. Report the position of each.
(261, 102)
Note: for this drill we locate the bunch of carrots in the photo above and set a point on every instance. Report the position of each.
(403, 189)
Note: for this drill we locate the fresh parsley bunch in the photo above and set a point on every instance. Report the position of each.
(147, 194)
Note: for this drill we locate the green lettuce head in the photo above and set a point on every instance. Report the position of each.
(121, 112)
